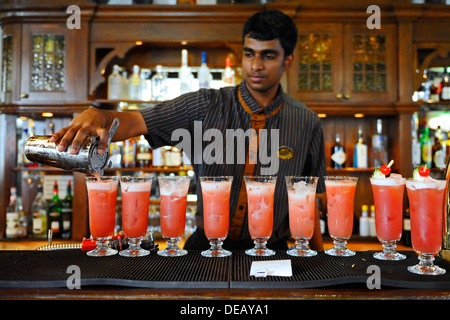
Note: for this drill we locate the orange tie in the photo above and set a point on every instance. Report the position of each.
(258, 122)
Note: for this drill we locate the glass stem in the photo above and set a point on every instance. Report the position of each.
(389, 247)
(426, 260)
(301, 244)
(172, 244)
(134, 244)
(216, 244)
(260, 244)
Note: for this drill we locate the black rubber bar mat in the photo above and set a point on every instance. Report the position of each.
(44, 269)
(323, 270)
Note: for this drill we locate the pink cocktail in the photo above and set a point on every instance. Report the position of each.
(426, 202)
(216, 213)
(173, 191)
(340, 207)
(102, 195)
(388, 199)
(260, 195)
(135, 205)
(302, 210)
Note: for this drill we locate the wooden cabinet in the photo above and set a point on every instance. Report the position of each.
(344, 63)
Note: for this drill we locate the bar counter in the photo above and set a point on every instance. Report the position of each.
(42, 275)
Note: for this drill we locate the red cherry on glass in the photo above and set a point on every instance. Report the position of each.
(424, 171)
(386, 168)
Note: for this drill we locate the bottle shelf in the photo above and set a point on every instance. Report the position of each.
(350, 169)
(133, 169)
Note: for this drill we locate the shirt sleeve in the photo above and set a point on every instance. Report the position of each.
(180, 113)
(316, 164)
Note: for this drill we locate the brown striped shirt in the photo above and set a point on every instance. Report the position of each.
(299, 129)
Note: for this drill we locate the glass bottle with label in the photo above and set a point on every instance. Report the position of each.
(360, 157)
(427, 146)
(159, 85)
(39, 212)
(186, 76)
(54, 213)
(129, 153)
(12, 216)
(66, 212)
(115, 84)
(143, 153)
(338, 155)
(135, 84)
(379, 146)
(444, 87)
(228, 74)
(204, 76)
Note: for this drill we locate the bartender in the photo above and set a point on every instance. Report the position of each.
(258, 102)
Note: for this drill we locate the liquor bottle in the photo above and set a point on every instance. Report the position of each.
(129, 153)
(135, 84)
(20, 145)
(444, 87)
(426, 146)
(204, 76)
(437, 151)
(322, 217)
(186, 76)
(338, 155)
(66, 213)
(372, 230)
(159, 85)
(364, 228)
(23, 223)
(146, 85)
(415, 147)
(406, 234)
(12, 216)
(125, 91)
(115, 84)
(143, 153)
(51, 128)
(54, 216)
(379, 146)
(360, 157)
(228, 74)
(116, 152)
(39, 212)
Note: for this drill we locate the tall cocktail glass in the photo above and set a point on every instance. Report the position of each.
(216, 213)
(135, 205)
(302, 209)
(102, 196)
(340, 207)
(426, 203)
(173, 191)
(388, 200)
(260, 195)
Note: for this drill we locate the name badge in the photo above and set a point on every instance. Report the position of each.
(285, 152)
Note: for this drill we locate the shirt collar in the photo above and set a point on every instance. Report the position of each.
(253, 105)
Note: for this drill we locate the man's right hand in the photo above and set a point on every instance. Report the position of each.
(91, 122)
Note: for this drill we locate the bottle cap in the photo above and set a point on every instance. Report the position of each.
(364, 207)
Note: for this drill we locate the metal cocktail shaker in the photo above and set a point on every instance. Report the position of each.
(445, 252)
(87, 160)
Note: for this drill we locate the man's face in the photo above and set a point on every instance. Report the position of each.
(263, 64)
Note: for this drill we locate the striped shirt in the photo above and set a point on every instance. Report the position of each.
(299, 129)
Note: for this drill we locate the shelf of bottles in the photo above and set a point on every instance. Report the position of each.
(431, 124)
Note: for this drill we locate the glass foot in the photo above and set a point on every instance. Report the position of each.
(426, 266)
(339, 249)
(102, 249)
(216, 249)
(301, 249)
(389, 252)
(172, 249)
(134, 250)
(260, 249)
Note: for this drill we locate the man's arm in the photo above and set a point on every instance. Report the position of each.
(95, 122)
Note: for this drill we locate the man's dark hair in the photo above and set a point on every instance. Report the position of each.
(271, 25)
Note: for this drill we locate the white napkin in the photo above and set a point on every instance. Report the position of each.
(271, 268)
